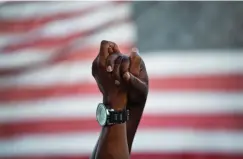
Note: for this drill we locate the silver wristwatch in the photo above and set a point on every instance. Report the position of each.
(106, 116)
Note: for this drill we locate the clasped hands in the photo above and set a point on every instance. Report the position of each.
(122, 79)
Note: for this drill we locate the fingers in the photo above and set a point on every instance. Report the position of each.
(131, 76)
(106, 48)
(114, 48)
(125, 67)
(134, 82)
(103, 54)
(110, 62)
(117, 64)
(135, 62)
(116, 72)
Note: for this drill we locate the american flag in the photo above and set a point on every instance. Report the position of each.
(48, 96)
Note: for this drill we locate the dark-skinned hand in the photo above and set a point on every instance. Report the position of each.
(124, 74)
(133, 75)
(106, 69)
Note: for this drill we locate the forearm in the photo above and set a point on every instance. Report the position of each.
(136, 112)
(113, 143)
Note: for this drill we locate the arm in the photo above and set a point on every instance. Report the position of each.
(137, 95)
(131, 127)
(112, 143)
(113, 139)
(136, 112)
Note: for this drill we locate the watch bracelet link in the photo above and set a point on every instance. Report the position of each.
(119, 117)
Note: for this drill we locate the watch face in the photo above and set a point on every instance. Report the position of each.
(101, 115)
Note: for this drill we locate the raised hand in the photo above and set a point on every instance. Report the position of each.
(106, 70)
(137, 80)
(124, 80)
(134, 79)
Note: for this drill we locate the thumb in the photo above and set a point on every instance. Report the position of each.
(135, 61)
(134, 82)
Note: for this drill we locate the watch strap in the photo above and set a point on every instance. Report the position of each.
(118, 117)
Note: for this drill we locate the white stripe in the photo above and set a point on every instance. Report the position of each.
(163, 64)
(112, 32)
(49, 75)
(69, 26)
(166, 141)
(31, 10)
(19, 58)
(158, 103)
(194, 62)
(93, 20)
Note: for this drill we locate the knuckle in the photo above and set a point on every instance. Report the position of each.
(125, 64)
(117, 67)
(112, 44)
(125, 60)
(107, 43)
(118, 60)
(103, 42)
(112, 59)
(110, 50)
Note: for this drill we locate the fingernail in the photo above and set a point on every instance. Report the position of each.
(135, 50)
(109, 69)
(117, 82)
(126, 76)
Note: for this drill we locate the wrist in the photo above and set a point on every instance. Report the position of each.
(116, 101)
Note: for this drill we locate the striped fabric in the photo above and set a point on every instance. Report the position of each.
(48, 97)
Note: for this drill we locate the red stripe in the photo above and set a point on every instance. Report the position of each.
(25, 25)
(233, 82)
(159, 155)
(64, 55)
(192, 121)
(44, 43)
(204, 83)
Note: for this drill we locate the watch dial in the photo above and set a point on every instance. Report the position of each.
(101, 114)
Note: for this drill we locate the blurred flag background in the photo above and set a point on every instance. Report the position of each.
(192, 51)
